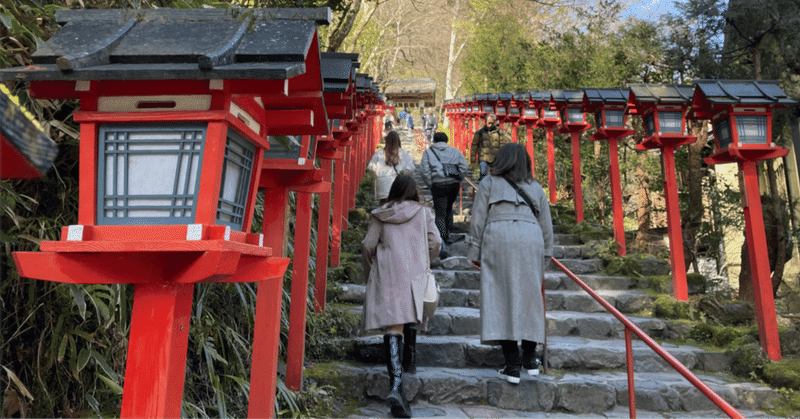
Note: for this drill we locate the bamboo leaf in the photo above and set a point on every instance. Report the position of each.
(79, 301)
(104, 366)
(18, 383)
(62, 349)
(83, 358)
(115, 388)
(93, 403)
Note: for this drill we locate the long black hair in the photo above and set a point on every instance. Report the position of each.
(512, 162)
(404, 188)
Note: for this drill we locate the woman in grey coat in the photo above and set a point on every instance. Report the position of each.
(401, 240)
(511, 245)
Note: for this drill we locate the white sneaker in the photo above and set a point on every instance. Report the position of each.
(509, 374)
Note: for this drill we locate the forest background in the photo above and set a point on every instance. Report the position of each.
(63, 346)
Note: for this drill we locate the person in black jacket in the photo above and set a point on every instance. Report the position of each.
(443, 188)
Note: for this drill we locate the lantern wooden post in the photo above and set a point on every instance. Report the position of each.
(741, 115)
(663, 110)
(573, 121)
(611, 107)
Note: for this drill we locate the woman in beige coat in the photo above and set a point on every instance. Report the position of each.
(400, 242)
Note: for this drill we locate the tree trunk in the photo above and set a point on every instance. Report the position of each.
(338, 35)
(692, 218)
(780, 241)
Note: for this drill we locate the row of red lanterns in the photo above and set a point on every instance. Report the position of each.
(740, 112)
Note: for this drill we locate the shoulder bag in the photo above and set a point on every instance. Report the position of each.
(525, 197)
(450, 170)
(430, 300)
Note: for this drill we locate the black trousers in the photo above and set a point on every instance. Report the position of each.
(444, 195)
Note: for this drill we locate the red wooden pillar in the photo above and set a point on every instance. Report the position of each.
(321, 276)
(347, 184)
(551, 165)
(616, 195)
(267, 330)
(159, 337)
(297, 311)
(514, 133)
(576, 175)
(677, 262)
(529, 147)
(339, 191)
(759, 262)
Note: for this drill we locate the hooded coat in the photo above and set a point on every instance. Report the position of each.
(400, 242)
(512, 246)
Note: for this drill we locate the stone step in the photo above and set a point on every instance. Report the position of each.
(466, 321)
(589, 393)
(563, 352)
(626, 301)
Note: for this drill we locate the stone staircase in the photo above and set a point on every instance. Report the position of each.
(585, 350)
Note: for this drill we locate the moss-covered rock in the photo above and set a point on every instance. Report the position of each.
(670, 308)
(748, 360)
(721, 336)
(783, 374)
(696, 283)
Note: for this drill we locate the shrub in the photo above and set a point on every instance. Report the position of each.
(670, 308)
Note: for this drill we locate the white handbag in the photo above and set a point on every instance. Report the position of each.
(431, 299)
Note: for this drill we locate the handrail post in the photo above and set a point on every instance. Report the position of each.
(631, 389)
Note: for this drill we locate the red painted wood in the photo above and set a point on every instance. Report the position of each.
(529, 147)
(551, 165)
(616, 195)
(157, 346)
(577, 178)
(514, 133)
(759, 262)
(336, 222)
(119, 246)
(148, 117)
(266, 342)
(295, 351)
(676, 258)
(14, 164)
(87, 181)
(323, 226)
(252, 193)
(213, 158)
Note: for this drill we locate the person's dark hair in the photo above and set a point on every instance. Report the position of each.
(512, 162)
(440, 137)
(391, 151)
(404, 188)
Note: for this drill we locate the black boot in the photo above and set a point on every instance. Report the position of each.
(409, 349)
(396, 398)
(530, 363)
(510, 371)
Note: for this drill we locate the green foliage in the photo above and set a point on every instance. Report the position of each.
(783, 374)
(323, 329)
(669, 308)
(722, 336)
(748, 360)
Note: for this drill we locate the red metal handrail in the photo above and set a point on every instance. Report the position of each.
(630, 327)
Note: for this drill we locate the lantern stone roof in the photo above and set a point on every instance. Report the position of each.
(567, 96)
(136, 44)
(661, 93)
(521, 96)
(745, 92)
(607, 96)
(19, 132)
(338, 69)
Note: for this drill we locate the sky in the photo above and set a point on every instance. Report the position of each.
(649, 9)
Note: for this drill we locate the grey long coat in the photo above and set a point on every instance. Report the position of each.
(512, 246)
(401, 240)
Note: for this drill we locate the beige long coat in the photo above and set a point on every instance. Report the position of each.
(401, 240)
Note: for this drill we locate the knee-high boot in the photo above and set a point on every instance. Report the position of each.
(409, 349)
(392, 343)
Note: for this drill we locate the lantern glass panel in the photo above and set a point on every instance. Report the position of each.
(149, 174)
(650, 124)
(752, 129)
(463, 109)
(722, 130)
(235, 184)
(598, 118)
(283, 147)
(550, 114)
(615, 117)
(515, 111)
(501, 110)
(531, 113)
(488, 109)
(475, 108)
(575, 115)
(670, 122)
